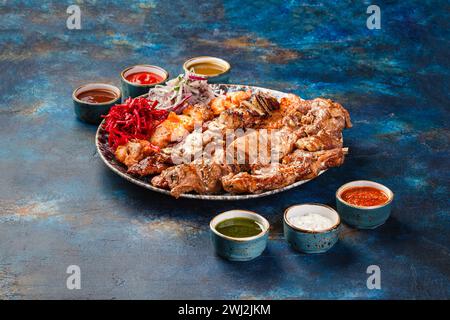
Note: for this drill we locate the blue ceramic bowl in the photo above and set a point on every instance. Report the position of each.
(222, 77)
(364, 217)
(133, 90)
(92, 112)
(239, 249)
(309, 241)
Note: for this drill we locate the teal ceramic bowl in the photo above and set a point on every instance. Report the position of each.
(308, 240)
(364, 217)
(221, 77)
(133, 90)
(239, 249)
(92, 112)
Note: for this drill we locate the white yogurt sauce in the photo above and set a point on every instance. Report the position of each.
(311, 222)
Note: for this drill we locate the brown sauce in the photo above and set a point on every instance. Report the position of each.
(97, 96)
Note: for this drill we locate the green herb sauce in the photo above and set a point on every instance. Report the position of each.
(239, 227)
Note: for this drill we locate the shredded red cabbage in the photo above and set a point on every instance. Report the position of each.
(134, 119)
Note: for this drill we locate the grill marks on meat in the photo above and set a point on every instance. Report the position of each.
(151, 165)
(270, 177)
(323, 140)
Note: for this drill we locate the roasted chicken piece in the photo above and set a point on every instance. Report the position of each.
(293, 103)
(270, 177)
(134, 151)
(153, 164)
(262, 146)
(249, 114)
(321, 160)
(290, 112)
(323, 140)
(199, 113)
(231, 100)
(220, 104)
(200, 177)
(176, 127)
(323, 125)
(325, 113)
(203, 175)
(238, 96)
(173, 129)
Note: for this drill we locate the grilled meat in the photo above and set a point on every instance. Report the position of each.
(151, 165)
(203, 178)
(262, 146)
(279, 143)
(176, 127)
(215, 135)
(270, 177)
(300, 165)
(231, 100)
(133, 152)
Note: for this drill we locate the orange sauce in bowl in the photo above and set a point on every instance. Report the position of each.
(364, 196)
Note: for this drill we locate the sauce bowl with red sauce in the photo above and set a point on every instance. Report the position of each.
(92, 100)
(138, 80)
(364, 204)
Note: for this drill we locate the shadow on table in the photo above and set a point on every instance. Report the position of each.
(258, 275)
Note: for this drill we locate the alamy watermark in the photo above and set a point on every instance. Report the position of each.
(374, 280)
(74, 280)
(73, 22)
(374, 20)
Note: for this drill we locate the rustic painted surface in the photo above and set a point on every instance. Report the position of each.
(60, 205)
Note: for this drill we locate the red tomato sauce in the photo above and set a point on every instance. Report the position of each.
(144, 78)
(364, 196)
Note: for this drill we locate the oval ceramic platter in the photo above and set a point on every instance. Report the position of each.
(101, 140)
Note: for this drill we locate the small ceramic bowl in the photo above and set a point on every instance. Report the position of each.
(364, 217)
(309, 241)
(219, 78)
(133, 90)
(239, 249)
(92, 112)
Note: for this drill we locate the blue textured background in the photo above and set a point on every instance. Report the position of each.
(60, 205)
